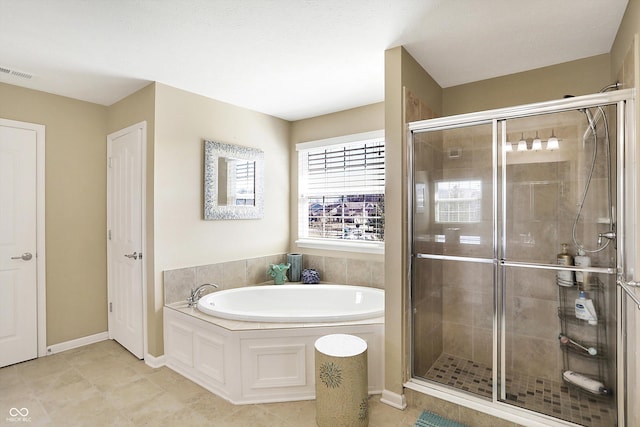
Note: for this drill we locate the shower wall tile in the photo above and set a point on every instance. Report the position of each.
(483, 310)
(532, 317)
(532, 356)
(540, 284)
(483, 346)
(457, 339)
(458, 305)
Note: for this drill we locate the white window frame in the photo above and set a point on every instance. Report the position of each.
(374, 247)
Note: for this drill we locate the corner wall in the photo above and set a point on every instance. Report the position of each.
(182, 237)
(357, 120)
(138, 107)
(403, 75)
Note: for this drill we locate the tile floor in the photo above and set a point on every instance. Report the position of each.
(104, 385)
(541, 395)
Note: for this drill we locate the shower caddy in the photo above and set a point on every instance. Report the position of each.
(584, 336)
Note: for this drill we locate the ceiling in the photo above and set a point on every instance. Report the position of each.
(292, 59)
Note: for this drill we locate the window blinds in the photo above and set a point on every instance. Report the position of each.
(353, 168)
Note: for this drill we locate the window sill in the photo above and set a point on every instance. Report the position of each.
(346, 246)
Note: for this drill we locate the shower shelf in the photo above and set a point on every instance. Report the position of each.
(581, 390)
(568, 314)
(569, 348)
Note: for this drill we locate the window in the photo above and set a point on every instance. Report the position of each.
(341, 192)
(458, 201)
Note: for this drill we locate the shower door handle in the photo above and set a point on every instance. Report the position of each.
(627, 287)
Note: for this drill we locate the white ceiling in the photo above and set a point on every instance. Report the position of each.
(288, 58)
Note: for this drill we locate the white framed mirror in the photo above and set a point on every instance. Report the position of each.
(233, 181)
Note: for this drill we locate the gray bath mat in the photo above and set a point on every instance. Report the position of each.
(428, 419)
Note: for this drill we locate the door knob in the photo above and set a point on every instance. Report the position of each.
(25, 256)
(134, 255)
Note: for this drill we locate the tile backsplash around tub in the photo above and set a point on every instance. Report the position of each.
(253, 271)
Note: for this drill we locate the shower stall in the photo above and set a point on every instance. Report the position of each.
(496, 309)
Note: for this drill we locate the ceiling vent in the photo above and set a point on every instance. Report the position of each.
(15, 73)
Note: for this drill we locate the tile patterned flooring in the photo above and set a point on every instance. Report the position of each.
(541, 395)
(103, 385)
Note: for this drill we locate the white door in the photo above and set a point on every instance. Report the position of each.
(18, 267)
(125, 211)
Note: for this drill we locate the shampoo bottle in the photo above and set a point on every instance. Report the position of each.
(585, 309)
(582, 278)
(564, 277)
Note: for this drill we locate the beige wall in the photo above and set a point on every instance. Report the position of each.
(580, 77)
(136, 108)
(182, 238)
(402, 73)
(357, 120)
(75, 180)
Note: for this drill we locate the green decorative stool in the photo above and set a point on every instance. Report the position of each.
(342, 397)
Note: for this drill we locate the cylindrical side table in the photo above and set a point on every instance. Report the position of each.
(341, 381)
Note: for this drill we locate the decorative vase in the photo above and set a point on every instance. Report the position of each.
(279, 273)
(295, 260)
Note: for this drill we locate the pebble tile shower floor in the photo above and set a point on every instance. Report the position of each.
(541, 395)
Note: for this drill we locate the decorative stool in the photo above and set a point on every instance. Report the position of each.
(341, 381)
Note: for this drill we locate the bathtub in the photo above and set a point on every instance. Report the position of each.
(258, 361)
(295, 303)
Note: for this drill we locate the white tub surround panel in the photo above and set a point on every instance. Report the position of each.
(251, 362)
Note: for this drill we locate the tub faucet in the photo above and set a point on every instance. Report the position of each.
(197, 293)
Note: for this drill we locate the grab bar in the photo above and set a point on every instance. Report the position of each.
(627, 288)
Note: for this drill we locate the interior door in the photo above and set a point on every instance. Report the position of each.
(18, 269)
(125, 206)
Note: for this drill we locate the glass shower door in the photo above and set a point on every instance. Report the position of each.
(454, 257)
(559, 193)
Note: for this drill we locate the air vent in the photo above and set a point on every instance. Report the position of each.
(15, 73)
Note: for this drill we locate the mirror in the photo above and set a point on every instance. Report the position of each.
(233, 181)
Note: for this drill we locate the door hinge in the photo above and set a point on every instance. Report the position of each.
(110, 307)
(109, 234)
(109, 162)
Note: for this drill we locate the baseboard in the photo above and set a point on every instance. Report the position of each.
(153, 361)
(79, 342)
(394, 399)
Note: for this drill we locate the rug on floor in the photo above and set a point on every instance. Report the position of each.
(429, 419)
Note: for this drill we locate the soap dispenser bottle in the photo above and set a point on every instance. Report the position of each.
(564, 277)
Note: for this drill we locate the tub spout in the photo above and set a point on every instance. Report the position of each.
(197, 293)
